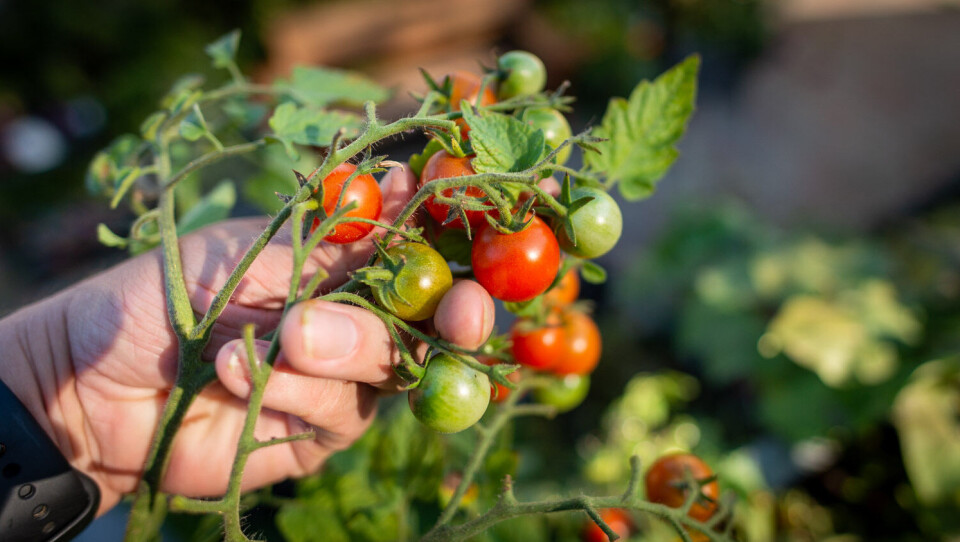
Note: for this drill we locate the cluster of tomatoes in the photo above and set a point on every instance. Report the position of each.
(514, 264)
(667, 483)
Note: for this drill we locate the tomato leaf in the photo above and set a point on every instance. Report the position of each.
(193, 126)
(103, 170)
(502, 143)
(181, 87)
(108, 238)
(215, 206)
(593, 273)
(150, 126)
(418, 161)
(641, 133)
(320, 87)
(224, 50)
(453, 245)
(294, 125)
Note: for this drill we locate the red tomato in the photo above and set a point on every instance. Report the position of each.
(583, 345)
(666, 484)
(466, 86)
(363, 190)
(538, 347)
(618, 520)
(443, 166)
(565, 292)
(517, 266)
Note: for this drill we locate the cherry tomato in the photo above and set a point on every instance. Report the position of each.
(499, 392)
(363, 190)
(583, 344)
(451, 396)
(419, 285)
(466, 86)
(523, 74)
(565, 292)
(443, 166)
(555, 128)
(597, 224)
(565, 393)
(665, 481)
(517, 266)
(538, 346)
(618, 520)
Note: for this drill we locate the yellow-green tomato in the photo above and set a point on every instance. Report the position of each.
(421, 282)
(523, 74)
(597, 225)
(451, 396)
(555, 128)
(565, 393)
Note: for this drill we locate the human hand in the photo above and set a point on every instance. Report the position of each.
(96, 362)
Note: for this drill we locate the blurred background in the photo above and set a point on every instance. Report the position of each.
(787, 304)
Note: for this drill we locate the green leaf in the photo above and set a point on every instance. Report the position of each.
(925, 415)
(183, 86)
(125, 179)
(503, 143)
(523, 308)
(324, 86)
(108, 238)
(224, 50)
(312, 520)
(641, 133)
(151, 125)
(454, 246)
(184, 100)
(418, 161)
(294, 125)
(215, 206)
(275, 175)
(102, 173)
(593, 273)
(193, 126)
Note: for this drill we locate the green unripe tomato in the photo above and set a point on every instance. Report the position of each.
(524, 74)
(419, 285)
(451, 396)
(597, 225)
(565, 393)
(555, 128)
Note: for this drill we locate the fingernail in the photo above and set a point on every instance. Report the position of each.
(233, 362)
(327, 335)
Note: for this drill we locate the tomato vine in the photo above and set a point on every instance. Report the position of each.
(493, 194)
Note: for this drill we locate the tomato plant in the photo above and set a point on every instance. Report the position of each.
(617, 518)
(522, 74)
(442, 166)
(363, 191)
(317, 108)
(666, 484)
(538, 346)
(418, 286)
(555, 128)
(451, 396)
(516, 266)
(597, 225)
(583, 344)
